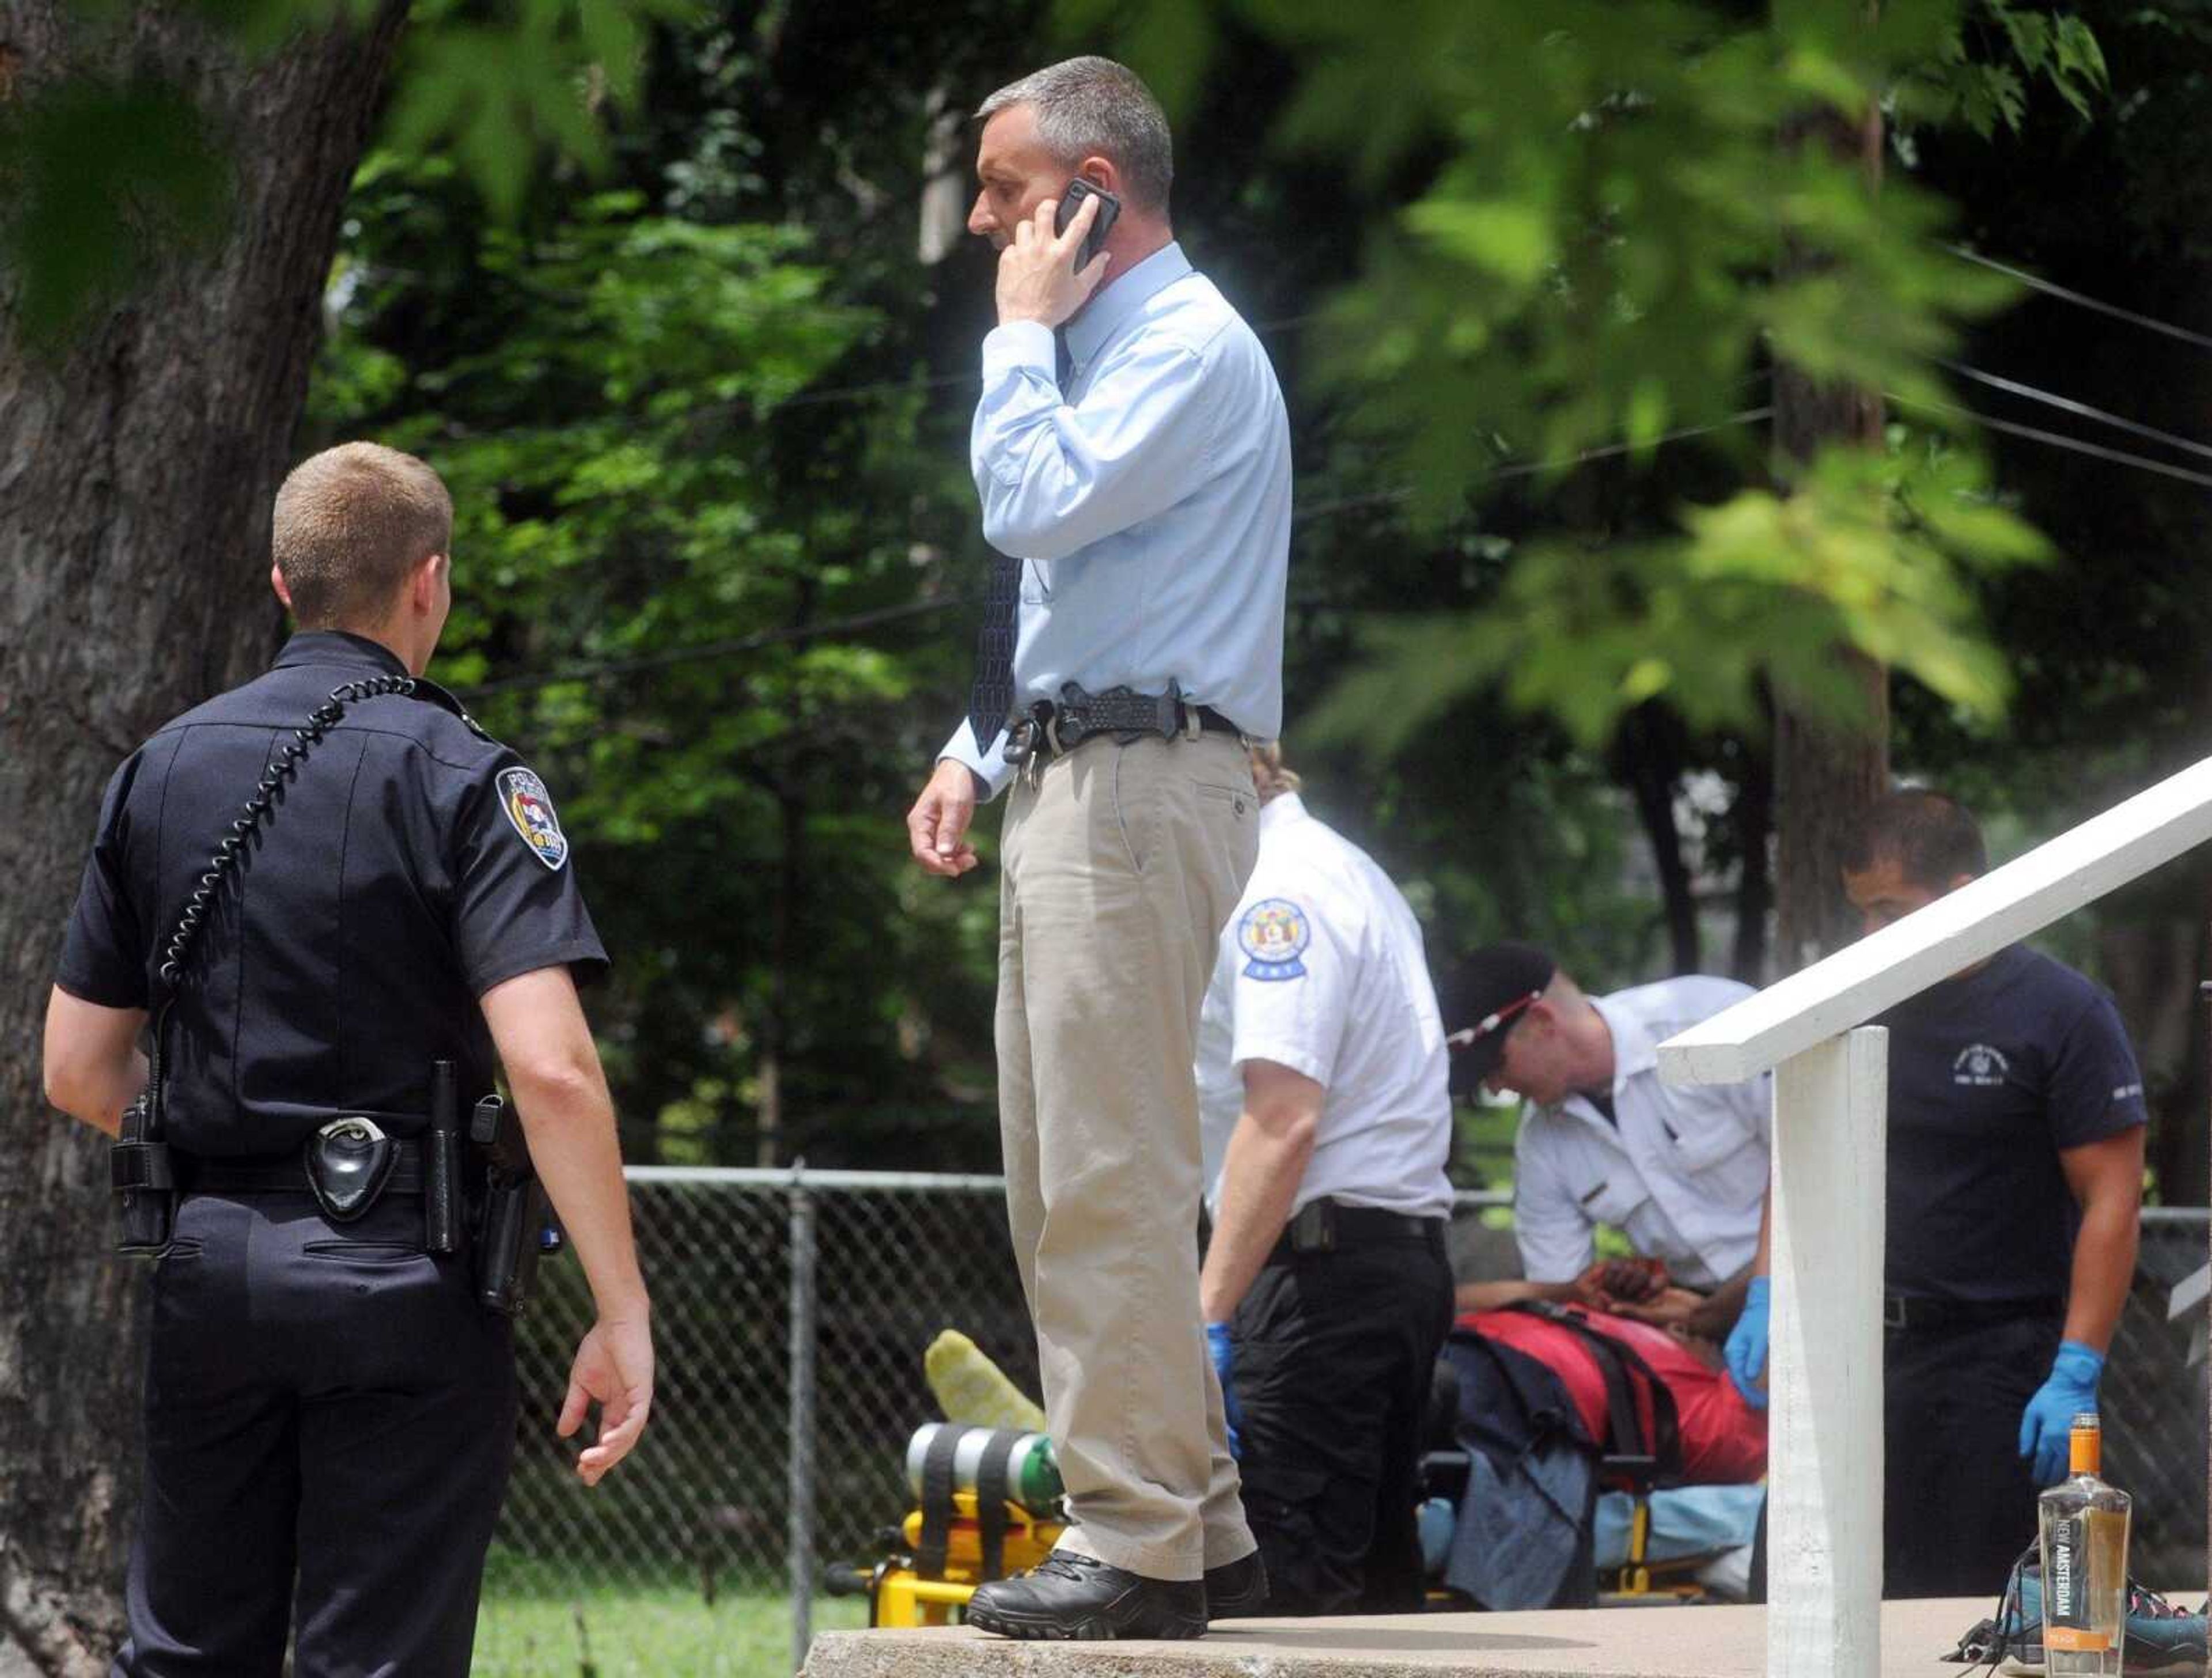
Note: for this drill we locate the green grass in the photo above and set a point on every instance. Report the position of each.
(539, 1622)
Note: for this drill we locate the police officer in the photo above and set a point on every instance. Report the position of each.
(328, 1411)
(1326, 1287)
(1680, 1172)
(2015, 1163)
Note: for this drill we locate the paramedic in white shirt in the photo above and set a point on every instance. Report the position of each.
(1326, 1288)
(1681, 1172)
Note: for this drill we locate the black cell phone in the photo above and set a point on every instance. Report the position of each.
(1071, 201)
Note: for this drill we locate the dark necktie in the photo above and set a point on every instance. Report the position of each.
(993, 694)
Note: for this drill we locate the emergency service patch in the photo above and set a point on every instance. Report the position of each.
(529, 807)
(1274, 933)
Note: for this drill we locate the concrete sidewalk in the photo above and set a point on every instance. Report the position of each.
(1598, 1643)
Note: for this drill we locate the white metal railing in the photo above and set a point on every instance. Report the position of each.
(1831, 1107)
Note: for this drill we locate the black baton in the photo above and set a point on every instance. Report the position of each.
(441, 1186)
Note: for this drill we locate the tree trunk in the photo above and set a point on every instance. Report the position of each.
(135, 477)
(1647, 755)
(1824, 777)
(1752, 817)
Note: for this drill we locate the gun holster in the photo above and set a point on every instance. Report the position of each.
(506, 1245)
(143, 1177)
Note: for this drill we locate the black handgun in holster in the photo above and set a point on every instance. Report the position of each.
(513, 1214)
(143, 1176)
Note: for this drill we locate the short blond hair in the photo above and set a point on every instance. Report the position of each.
(1270, 773)
(351, 523)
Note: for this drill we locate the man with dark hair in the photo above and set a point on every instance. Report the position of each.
(1132, 455)
(330, 1411)
(2014, 1176)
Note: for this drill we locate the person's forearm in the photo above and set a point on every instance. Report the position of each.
(2104, 1265)
(1496, 1295)
(1260, 1179)
(570, 1120)
(97, 1095)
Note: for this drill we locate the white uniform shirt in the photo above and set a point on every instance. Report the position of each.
(1321, 969)
(1682, 1175)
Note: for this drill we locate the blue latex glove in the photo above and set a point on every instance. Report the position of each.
(2071, 1389)
(1225, 1366)
(1745, 1351)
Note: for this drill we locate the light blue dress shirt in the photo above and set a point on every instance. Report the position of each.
(1150, 501)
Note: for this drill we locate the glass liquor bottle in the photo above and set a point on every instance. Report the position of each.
(2083, 1526)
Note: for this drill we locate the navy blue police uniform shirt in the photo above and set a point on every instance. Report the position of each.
(1991, 1075)
(409, 866)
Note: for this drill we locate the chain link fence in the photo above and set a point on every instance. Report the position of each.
(796, 1306)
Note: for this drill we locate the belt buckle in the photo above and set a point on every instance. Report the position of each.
(1893, 1310)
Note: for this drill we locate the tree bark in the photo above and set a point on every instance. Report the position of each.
(1824, 777)
(136, 472)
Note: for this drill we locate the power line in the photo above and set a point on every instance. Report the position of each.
(1531, 468)
(2050, 288)
(715, 649)
(2067, 404)
(838, 393)
(2058, 440)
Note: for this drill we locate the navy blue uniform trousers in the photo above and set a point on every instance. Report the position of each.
(1958, 1498)
(330, 1417)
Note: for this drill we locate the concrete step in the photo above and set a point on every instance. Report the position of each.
(1670, 1642)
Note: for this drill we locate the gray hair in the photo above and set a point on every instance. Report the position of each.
(1089, 107)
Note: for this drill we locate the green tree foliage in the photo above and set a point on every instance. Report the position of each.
(104, 169)
(1620, 215)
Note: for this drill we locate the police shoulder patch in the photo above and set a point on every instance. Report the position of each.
(1274, 933)
(529, 807)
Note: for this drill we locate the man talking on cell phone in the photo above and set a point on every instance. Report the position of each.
(1132, 458)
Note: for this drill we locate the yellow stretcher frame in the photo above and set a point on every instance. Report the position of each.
(899, 1597)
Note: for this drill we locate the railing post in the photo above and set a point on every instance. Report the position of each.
(1825, 1421)
(800, 1453)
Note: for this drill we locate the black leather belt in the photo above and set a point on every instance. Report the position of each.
(1902, 1313)
(1328, 1225)
(1053, 727)
(282, 1174)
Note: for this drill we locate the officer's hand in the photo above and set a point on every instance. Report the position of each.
(1224, 1348)
(1745, 1351)
(613, 1369)
(937, 826)
(2049, 1418)
(1037, 276)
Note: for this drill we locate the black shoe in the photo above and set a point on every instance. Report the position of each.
(1236, 1589)
(1068, 1596)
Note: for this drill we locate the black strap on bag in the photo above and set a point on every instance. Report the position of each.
(937, 1502)
(991, 1498)
(1660, 1455)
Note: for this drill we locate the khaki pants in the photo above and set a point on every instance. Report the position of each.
(1123, 864)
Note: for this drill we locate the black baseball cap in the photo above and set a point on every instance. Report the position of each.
(1485, 997)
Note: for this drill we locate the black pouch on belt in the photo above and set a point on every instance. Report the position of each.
(349, 1161)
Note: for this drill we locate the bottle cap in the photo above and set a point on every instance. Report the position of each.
(2084, 1444)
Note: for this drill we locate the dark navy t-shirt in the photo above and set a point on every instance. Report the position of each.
(409, 865)
(1991, 1075)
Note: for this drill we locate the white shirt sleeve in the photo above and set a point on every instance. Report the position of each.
(1296, 967)
(1557, 1241)
(988, 762)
